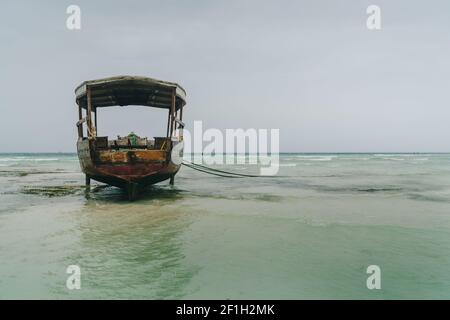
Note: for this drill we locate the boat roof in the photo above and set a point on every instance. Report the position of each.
(130, 90)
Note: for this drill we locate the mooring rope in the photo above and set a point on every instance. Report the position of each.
(221, 171)
(209, 172)
(206, 169)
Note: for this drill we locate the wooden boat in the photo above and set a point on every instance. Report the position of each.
(132, 162)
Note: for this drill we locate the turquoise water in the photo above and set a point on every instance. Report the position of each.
(309, 234)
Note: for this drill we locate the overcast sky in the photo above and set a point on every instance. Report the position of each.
(310, 68)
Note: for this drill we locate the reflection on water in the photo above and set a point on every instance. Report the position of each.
(308, 234)
(133, 245)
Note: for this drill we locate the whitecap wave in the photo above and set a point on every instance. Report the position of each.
(390, 155)
(19, 159)
(394, 159)
(355, 158)
(316, 156)
(317, 159)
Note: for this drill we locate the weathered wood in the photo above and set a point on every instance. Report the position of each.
(89, 112)
(181, 112)
(135, 156)
(168, 123)
(80, 125)
(172, 112)
(181, 119)
(107, 102)
(130, 91)
(95, 114)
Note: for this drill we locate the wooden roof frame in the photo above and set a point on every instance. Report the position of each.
(130, 90)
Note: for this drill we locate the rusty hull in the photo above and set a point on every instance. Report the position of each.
(125, 168)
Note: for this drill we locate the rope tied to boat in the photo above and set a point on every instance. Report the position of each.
(219, 173)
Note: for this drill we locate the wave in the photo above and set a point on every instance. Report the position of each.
(27, 159)
(399, 155)
(371, 190)
(430, 198)
(357, 189)
(316, 156)
(394, 159)
(355, 158)
(317, 159)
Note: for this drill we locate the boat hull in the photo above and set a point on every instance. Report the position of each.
(131, 169)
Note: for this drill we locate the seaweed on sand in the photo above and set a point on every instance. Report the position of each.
(54, 191)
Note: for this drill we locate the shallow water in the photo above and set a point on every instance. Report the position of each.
(309, 234)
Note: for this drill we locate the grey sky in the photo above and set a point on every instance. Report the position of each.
(310, 68)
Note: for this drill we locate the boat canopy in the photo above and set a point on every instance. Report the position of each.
(130, 90)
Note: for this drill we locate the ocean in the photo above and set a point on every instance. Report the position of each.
(309, 234)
